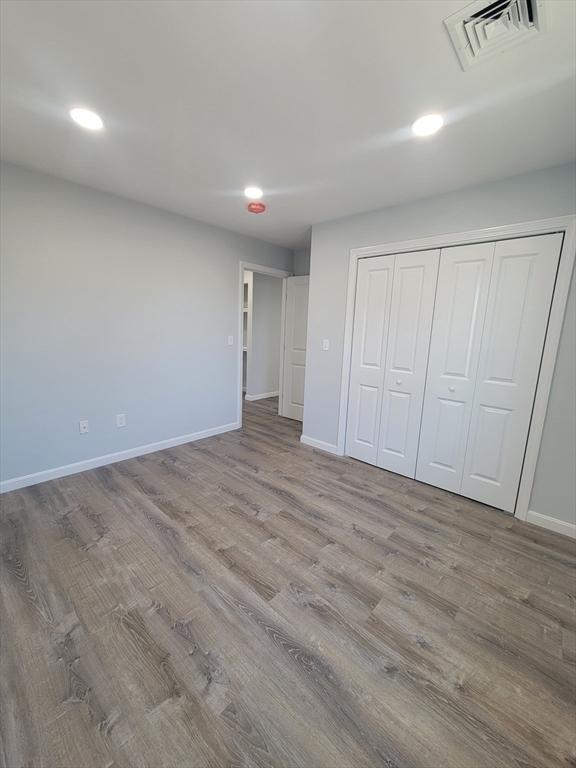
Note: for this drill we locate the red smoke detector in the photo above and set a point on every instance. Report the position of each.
(256, 207)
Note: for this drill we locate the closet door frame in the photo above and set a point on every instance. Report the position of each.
(564, 224)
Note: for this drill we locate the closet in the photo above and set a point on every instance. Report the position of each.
(393, 316)
(446, 350)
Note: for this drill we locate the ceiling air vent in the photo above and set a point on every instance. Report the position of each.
(483, 29)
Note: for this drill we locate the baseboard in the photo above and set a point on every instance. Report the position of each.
(321, 445)
(110, 458)
(545, 521)
(251, 398)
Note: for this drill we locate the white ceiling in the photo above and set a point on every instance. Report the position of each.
(312, 100)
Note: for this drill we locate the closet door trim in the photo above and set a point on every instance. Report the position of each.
(563, 224)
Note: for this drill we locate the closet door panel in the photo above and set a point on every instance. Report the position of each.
(369, 339)
(459, 313)
(521, 290)
(415, 276)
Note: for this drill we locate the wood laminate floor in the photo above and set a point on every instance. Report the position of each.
(248, 601)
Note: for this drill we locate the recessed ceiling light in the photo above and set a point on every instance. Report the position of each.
(253, 193)
(86, 118)
(427, 125)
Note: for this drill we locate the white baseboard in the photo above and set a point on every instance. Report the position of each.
(545, 521)
(251, 398)
(321, 445)
(110, 458)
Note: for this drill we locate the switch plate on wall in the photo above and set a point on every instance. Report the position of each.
(120, 419)
(83, 426)
(230, 340)
(325, 345)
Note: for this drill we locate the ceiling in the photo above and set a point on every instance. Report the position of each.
(311, 100)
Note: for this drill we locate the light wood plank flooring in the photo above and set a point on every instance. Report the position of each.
(248, 601)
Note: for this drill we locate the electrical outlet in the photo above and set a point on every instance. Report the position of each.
(83, 425)
(120, 419)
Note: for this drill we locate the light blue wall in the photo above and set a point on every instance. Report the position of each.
(302, 261)
(554, 491)
(537, 195)
(110, 307)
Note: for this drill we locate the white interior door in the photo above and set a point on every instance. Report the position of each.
(521, 288)
(294, 362)
(369, 339)
(412, 307)
(459, 312)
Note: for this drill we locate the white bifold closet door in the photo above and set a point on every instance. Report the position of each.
(521, 288)
(410, 325)
(392, 323)
(460, 308)
(491, 313)
(370, 334)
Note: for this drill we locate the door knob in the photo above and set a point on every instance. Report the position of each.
(398, 382)
(451, 389)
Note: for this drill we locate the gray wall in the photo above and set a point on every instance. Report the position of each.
(263, 373)
(112, 307)
(554, 490)
(537, 195)
(302, 261)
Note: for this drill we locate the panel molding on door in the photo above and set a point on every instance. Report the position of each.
(459, 313)
(412, 307)
(369, 339)
(521, 288)
(295, 331)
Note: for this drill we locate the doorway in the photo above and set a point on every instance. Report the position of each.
(272, 331)
(261, 335)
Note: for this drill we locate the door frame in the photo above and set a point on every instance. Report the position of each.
(563, 224)
(272, 272)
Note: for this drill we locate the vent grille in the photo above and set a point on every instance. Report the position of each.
(482, 30)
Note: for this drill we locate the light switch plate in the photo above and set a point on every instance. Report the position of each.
(325, 345)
